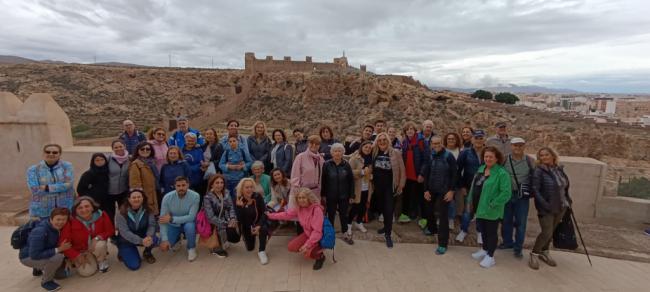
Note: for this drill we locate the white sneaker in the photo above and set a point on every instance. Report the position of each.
(381, 218)
(487, 262)
(191, 254)
(349, 232)
(479, 238)
(103, 266)
(479, 254)
(451, 225)
(360, 227)
(263, 258)
(461, 236)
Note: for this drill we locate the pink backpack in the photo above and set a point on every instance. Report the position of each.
(203, 227)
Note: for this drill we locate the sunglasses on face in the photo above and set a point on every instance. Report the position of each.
(51, 152)
(145, 149)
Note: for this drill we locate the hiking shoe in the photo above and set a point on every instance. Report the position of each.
(441, 250)
(422, 223)
(487, 262)
(546, 257)
(264, 259)
(148, 257)
(479, 255)
(348, 239)
(381, 230)
(360, 227)
(403, 219)
(504, 246)
(461, 236)
(479, 238)
(191, 254)
(219, 252)
(51, 286)
(518, 254)
(389, 241)
(319, 263)
(36, 272)
(533, 263)
(103, 266)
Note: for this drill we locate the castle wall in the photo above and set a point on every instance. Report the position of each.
(252, 64)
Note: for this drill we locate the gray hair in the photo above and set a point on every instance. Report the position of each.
(190, 135)
(337, 146)
(257, 163)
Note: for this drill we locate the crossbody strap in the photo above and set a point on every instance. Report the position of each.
(513, 170)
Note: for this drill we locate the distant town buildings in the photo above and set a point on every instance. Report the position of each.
(602, 108)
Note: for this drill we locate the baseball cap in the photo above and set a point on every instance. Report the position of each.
(478, 133)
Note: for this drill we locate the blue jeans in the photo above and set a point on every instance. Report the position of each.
(231, 185)
(515, 216)
(130, 255)
(174, 234)
(465, 220)
(452, 210)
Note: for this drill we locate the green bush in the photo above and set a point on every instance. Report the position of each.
(482, 94)
(636, 187)
(506, 97)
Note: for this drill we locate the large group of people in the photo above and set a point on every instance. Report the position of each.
(156, 189)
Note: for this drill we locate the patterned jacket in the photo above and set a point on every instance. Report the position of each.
(59, 192)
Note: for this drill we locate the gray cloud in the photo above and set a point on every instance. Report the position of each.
(453, 42)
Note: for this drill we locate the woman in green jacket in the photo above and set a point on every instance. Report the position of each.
(490, 191)
(262, 180)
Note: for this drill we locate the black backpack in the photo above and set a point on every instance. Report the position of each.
(21, 234)
(564, 235)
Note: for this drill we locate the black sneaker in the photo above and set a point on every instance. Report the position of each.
(51, 286)
(148, 257)
(36, 272)
(389, 241)
(503, 246)
(220, 253)
(381, 231)
(319, 263)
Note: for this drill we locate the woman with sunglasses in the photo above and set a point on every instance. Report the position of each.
(51, 182)
(143, 174)
(158, 139)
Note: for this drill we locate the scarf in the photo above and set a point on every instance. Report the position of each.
(90, 224)
(136, 216)
(121, 159)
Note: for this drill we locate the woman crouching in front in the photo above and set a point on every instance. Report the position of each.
(310, 215)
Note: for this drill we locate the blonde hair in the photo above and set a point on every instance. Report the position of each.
(311, 197)
(556, 157)
(255, 126)
(375, 145)
(240, 186)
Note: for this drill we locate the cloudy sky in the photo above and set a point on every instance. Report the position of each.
(589, 45)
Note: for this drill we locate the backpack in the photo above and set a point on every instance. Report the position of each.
(203, 227)
(329, 238)
(21, 234)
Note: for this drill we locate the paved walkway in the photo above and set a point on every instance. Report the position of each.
(366, 266)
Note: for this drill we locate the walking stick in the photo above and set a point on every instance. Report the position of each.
(580, 235)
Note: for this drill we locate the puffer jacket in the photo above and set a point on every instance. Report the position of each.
(42, 241)
(337, 180)
(546, 190)
(440, 173)
(260, 150)
(468, 163)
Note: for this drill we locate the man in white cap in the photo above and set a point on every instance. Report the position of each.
(515, 215)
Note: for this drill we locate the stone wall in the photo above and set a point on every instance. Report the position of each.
(254, 65)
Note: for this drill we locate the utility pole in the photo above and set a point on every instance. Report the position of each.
(170, 59)
(212, 62)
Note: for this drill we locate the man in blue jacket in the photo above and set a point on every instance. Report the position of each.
(131, 136)
(469, 160)
(178, 137)
(42, 251)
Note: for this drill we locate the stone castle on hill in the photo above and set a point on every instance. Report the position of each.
(254, 65)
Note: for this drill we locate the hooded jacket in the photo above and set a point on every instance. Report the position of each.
(94, 182)
(310, 218)
(306, 172)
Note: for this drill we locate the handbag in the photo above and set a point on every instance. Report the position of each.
(564, 235)
(212, 170)
(212, 241)
(523, 190)
(232, 235)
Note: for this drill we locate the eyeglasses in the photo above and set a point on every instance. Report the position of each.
(160, 134)
(51, 152)
(145, 149)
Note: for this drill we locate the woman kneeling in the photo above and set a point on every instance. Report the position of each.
(137, 227)
(310, 215)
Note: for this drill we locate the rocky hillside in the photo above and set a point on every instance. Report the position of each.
(100, 97)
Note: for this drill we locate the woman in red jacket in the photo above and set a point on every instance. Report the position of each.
(88, 230)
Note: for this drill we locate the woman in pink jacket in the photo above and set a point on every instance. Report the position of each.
(306, 170)
(309, 213)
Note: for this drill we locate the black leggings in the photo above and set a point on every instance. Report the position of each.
(109, 202)
(334, 204)
(249, 238)
(489, 233)
(412, 202)
(437, 205)
(387, 201)
(358, 211)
